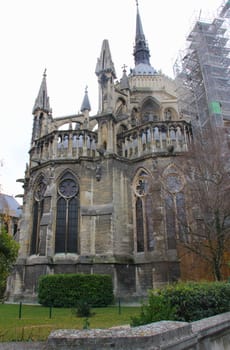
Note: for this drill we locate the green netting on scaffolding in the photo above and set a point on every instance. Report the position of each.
(215, 107)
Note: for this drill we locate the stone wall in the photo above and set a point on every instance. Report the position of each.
(212, 333)
(23, 346)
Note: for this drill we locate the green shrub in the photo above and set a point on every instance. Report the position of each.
(185, 302)
(83, 309)
(8, 255)
(156, 309)
(194, 301)
(86, 324)
(65, 290)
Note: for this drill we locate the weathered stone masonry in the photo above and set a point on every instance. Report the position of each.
(93, 195)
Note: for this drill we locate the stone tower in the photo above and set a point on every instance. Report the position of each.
(93, 195)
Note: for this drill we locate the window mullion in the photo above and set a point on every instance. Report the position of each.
(67, 226)
(144, 224)
(38, 228)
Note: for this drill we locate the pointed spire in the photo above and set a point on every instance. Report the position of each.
(86, 104)
(141, 51)
(42, 100)
(124, 83)
(105, 63)
(139, 29)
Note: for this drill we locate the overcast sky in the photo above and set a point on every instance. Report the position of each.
(65, 37)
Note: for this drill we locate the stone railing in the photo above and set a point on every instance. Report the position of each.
(152, 137)
(208, 334)
(65, 144)
(155, 137)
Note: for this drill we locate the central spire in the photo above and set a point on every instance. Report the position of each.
(141, 51)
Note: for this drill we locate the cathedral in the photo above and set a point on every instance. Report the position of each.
(93, 195)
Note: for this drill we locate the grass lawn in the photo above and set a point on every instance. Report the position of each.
(35, 322)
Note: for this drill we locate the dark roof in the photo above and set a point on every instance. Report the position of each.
(141, 51)
(85, 104)
(9, 206)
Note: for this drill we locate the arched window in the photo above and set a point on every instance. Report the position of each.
(139, 225)
(175, 210)
(143, 212)
(104, 135)
(134, 117)
(120, 107)
(67, 215)
(40, 124)
(122, 128)
(150, 110)
(168, 114)
(38, 205)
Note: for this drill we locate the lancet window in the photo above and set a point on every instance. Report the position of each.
(143, 212)
(175, 208)
(38, 205)
(150, 110)
(66, 240)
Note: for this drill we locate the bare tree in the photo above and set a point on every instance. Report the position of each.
(206, 225)
(1, 164)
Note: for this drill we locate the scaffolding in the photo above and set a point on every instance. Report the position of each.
(202, 72)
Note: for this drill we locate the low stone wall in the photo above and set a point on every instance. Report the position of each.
(138, 338)
(23, 345)
(212, 333)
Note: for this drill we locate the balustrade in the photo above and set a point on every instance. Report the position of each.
(65, 144)
(155, 137)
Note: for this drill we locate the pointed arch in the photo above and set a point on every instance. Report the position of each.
(175, 205)
(134, 117)
(143, 211)
(40, 122)
(67, 214)
(120, 107)
(120, 129)
(150, 110)
(139, 216)
(104, 134)
(170, 114)
(40, 186)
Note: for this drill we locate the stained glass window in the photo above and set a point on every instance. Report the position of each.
(144, 214)
(67, 215)
(139, 225)
(175, 209)
(60, 226)
(37, 214)
(149, 222)
(170, 221)
(181, 214)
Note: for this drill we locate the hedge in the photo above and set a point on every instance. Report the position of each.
(187, 302)
(65, 290)
(194, 301)
(156, 309)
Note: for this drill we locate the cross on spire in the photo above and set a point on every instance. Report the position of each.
(124, 67)
(141, 51)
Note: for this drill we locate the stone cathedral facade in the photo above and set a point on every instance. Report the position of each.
(94, 201)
